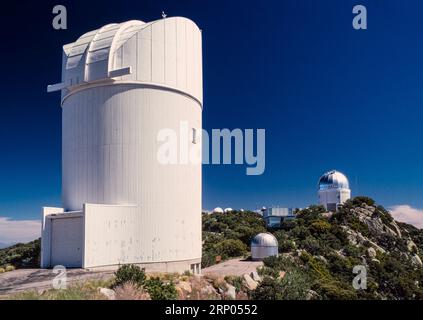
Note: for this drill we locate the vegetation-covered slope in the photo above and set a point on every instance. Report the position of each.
(319, 250)
(227, 235)
(21, 255)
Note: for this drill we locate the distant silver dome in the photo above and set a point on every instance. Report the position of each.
(264, 245)
(333, 180)
(218, 210)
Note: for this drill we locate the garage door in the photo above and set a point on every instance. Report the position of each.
(66, 242)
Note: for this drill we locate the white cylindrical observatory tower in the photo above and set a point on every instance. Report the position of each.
(121, 85)
(333, 190)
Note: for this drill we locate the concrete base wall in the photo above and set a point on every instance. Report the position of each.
(193, 265)
(111, 235)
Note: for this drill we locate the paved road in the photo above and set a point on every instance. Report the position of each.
(41, 279)
(234, 267)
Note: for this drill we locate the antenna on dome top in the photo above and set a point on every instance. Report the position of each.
(164, 15)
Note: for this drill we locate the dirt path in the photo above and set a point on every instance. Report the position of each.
(233, 267)
(42, 279)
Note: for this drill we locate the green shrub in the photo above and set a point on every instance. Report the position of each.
(231, 248)
(295, 285)
(316, 267)
(208, 258)
(358, 201)
(268, 289)
(234, 225)
(236, 281)
(159, 290)
(269, 272)
(286, 246)
(315, 246)
(333, 290)
(311, 213)
(320, 226)
(130, 273)
(280, 263)
(359, 226)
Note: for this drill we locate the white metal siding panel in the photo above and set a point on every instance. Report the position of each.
(181, 55)
(130, 59)
(189, 27)
(168, 196)
(144, 55)
(170, 52)
(199, 66)
(158, 53)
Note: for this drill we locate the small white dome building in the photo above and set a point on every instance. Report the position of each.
(334, 190)
(228, 210)
(218, 210)
(264, 245)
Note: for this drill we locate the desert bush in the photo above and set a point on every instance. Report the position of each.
(268, 289)
(9, 268)
(231, 248)
(320, 226)
(129, 273)
(2, 270)
(208, 258)
(295, 285)
(285, 244)
(360, 200)
(310, 214)
(333, 290)
(266, 271)
(130, 291)
(236, 281)
(159, 290)
(156, 287)
(78, 291)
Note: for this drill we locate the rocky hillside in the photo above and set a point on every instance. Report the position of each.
(319, 251)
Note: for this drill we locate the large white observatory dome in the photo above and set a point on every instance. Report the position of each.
(333, 179)
(264, 245)
(122, 85)
(333, 189)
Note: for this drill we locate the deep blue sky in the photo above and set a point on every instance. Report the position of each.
(327, 95)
